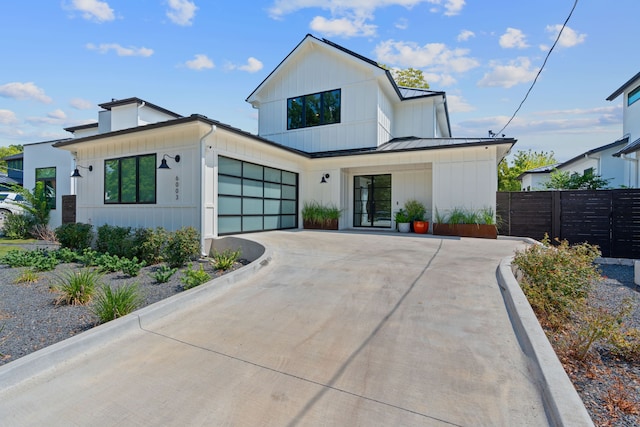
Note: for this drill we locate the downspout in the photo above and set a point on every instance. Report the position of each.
(142, 104)
(203, 166)
(598, 159)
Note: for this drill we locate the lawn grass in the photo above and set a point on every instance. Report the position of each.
(7, 245)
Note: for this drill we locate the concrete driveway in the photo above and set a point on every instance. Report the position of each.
(339, 329)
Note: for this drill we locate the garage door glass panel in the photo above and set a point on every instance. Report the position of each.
(253, 197)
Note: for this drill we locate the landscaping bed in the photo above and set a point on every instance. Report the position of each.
(30, 319)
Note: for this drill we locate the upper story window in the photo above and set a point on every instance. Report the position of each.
(48, 177)
(634, 95)
(313, 110)
(130, 179)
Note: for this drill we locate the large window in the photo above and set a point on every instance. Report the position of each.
(252, 197)
(48, 177)
(130, 180)
(313, 110)
(634, 95)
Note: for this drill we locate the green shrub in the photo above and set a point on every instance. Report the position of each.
(115, 240)
(108, 263)
(39, 260)
(226, 259)
(557, 279)
(193, 278)
(416, 211)
(113, 303)
(88, 257)
(66, 255)
(163, 273)
(150, 243)
(182, 246)
(77, 288)
(76, 236)
(626, 344)
(16, 258)
(131, 267)
(18, 226)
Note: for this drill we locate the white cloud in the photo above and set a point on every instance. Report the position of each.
(513, 38)
(569, 36)
(21, 91)
(516, 72)
(253, 65)
(57, 114)
(437, 57)
(93, 10)
(200, 62)
(465, 35)
(81, 104)
(181, 12)
(457, 104)
(121, 50)
(8, 117)
(342, 27)
(55, 117)
(453, 7)
(402, 24)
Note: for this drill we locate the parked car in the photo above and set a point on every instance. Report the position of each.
(9, 203)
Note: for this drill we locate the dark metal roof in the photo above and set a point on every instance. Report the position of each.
(53, 142)
(412, 93)
(5, 180)
(629, 148)
(119, 102)
(81, 127)
(622, 88)
(17, 156)
(398, 145)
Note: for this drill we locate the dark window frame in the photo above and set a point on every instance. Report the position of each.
(137, 181)
(305, 108)
(50, 199)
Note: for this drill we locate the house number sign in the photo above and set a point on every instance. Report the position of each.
(177, 188)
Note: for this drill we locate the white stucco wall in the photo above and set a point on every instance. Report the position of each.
(43, 155)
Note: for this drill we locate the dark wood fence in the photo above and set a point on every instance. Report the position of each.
(68, 209)
(607, 218)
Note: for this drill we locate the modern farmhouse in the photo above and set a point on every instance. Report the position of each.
(333, 128)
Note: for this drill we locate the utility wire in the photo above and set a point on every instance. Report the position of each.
(541, 68)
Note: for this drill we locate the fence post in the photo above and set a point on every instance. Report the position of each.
(556, 215)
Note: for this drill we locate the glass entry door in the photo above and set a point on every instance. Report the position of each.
(372, 201)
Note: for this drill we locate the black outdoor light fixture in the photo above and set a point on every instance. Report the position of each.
(324, 179)
(76, 171)
(163, 163)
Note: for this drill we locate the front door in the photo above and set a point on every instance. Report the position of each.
(372, 201)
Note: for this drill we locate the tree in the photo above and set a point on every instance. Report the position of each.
(565, 180)
(36, 203)
(522, 161)
(408, 77)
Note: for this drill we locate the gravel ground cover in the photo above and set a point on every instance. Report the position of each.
(609, 387)
(30, 319)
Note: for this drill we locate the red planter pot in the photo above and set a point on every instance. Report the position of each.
(420, 227)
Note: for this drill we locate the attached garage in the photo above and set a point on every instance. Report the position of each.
(253, 197)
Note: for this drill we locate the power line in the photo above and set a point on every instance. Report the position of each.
(540, 70)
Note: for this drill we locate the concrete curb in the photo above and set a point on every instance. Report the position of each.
(563, 405)
(57, 356)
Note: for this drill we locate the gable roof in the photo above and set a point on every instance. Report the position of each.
(622, 88)
(596, 150)
(629, 148)
(140, 102)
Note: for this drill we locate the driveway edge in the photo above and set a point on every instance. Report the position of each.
(61, 354)
(563, 405)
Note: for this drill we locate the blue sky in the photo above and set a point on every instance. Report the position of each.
(62, 58)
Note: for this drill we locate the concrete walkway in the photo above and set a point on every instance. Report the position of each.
(336, 329)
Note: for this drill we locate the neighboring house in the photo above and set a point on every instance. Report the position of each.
(43, 162)
(14, 174)
(333, 128)
(535, 179)
(598, 161)
(630, 129)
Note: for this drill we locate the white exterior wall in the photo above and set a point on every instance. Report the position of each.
(580, 165)
(631, 114)
(43, 155)
(534, 181)
(169, 212)
(415, 118)
(124, 116)
(386, 117)
(603, 164)
(148, 115)
(465, 178)
(82, 133)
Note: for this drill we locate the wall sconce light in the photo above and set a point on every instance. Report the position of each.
(76, 171)
(163, 163)
(324, 179)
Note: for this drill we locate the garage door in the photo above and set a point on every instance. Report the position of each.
(253, 197)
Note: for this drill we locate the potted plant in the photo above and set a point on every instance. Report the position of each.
(316, 216)
(416, 212)
(402, 221)
(466, 223)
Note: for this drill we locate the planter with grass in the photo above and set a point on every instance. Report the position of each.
(316, 216)
(467, 223)
(402, 221)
